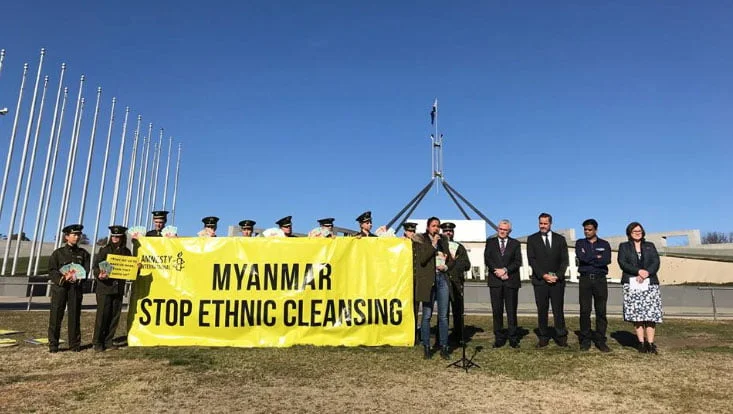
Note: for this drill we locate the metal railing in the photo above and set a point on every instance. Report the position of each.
(712, 290)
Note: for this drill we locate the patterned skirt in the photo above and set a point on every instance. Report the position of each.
(643, 305)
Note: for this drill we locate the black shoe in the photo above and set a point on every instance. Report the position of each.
(427, 354)
(53, 349)
(652, 348)
(75, 348)
(602, 347)
(585, 346)
(499, 343)
(445, 352)
(562, 341)
(514, 344)
(641, 347)
(543, 343)
(98, 348)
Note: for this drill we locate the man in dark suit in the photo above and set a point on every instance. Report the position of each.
(503, 256)
(548, 256)
(457, 269)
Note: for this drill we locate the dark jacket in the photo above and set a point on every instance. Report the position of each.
(64, 255)
(511, 260)
(424, 261)
(587, 254)
(457, 269)
(109, 286)
(630, 264)
(543, 261)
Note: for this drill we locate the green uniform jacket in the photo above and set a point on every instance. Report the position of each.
(64, 255)
(109, 286)
(457, 269)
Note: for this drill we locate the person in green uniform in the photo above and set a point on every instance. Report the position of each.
(66, 289)
(109, 291)
(365, 225)
(247, 227)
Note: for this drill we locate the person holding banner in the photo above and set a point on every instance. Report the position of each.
(286, 225)
(210, 226)
(67, 267)
(327, 226)
(247, 227)
(109, 291)
(432, 256)
(365, 225)
(160, 218)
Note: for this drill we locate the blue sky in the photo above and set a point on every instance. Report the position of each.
(616, 111)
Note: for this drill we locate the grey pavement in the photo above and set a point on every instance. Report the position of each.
(678, 301)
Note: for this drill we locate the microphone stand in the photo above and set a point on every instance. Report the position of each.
(464, 363)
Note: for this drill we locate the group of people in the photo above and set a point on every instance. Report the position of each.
(439, 266)
(440, 277)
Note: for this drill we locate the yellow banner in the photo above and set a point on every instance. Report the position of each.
(273, 292)
(123, 267)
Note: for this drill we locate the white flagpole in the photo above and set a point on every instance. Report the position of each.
(142, 190)
(26, 194)
(35, 241)
(87, 172)
(11, 147)
(141, 167)
(153, 178)
(131, 173)
(175, 187)
(47, 197)
(21, 170)
(69, 164)
(104, 176)
(167, 168)
(149, 189)
(157, 168)
(2, 59)
(119, 169)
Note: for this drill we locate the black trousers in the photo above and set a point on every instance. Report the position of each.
(70, 294)
(504, 297)
(593, 289)
(545, 294)
(456, 307)
(109, 308)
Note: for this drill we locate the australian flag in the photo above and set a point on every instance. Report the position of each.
(434, 112)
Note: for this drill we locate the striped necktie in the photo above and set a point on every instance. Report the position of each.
(502, 248)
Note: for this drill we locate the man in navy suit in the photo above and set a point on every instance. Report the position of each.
(547, 252)
(503, 256)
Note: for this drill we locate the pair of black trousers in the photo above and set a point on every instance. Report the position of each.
(109, 308)
(504, 297)
(593, 290)
(70, 294)
(545, 294)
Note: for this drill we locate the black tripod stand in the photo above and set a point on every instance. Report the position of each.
(464, 363)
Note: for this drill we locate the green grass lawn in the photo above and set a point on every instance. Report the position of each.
(693, 373)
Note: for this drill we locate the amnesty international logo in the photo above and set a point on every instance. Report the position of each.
(179, 263)
(163, 262)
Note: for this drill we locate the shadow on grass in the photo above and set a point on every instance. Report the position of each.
(625, 338)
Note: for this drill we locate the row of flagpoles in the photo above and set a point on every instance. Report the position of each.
(143, 172)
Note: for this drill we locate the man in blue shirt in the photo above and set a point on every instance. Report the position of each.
(594, 255)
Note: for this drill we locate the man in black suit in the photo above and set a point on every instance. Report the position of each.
(503, 256)
(548, 256)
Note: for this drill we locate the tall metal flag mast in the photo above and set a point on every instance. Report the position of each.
(437, 178)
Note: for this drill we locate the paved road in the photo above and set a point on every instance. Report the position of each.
(678, 301)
